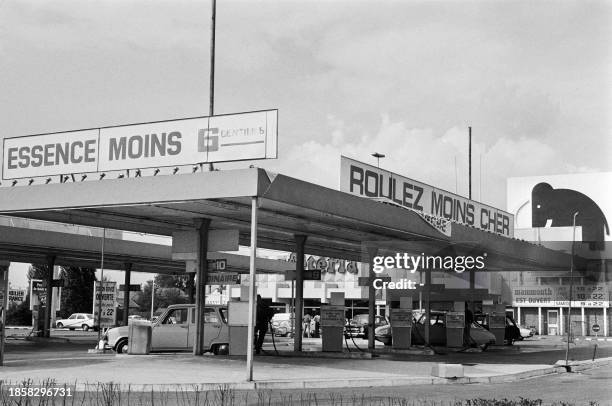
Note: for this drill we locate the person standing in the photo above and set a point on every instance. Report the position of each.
(262, 319)
(307, 320)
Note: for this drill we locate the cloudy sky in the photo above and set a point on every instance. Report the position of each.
(404, 78)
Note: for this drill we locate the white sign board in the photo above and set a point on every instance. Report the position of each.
(16, 295)
(558, 296)
(233, 137)
(105, 294)
(360, 179)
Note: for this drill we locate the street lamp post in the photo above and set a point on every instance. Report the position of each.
(152, 299)
(378, 155)
(569, 311)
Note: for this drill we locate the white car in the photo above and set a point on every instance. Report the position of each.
(83, 321)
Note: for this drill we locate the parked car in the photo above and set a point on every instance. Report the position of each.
(175, 330)
(358, 325)
(511, 332)
(283, 325)
(437, 332)
(84, 321)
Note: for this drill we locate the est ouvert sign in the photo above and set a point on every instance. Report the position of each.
(361, 179)
(231, 137)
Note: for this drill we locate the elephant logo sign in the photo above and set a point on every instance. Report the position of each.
(559, 205)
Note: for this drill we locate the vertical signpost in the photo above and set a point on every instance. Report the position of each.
(105, 303)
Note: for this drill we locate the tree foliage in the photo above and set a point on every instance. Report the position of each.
(38, 271)
(77, 293)
(164, 297)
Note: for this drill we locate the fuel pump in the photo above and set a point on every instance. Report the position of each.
(332, 323)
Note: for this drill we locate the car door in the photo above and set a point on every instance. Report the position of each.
(71, 321)
(213, 325)
(173, 331)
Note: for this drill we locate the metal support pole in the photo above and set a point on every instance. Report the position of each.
(372, 251)
(126, 293)
(49, 304)
(470, 161)
(4, 284)
(569, 310)
(427, 304)
(100, 286)
(252, 301)
(152, 299)
(211, 105)
(605, 322)
(202, 271)
(300, 242)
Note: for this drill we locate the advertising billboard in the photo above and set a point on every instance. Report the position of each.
(558, 296)
(360, 179)
(105, 296)
(545, 205)
(232, 137)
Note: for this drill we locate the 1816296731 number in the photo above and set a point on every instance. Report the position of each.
(40, 391)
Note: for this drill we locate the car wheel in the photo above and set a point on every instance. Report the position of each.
(85, 327)
(71, 328)
(59, 325)
(122, 347)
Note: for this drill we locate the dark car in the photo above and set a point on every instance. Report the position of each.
(511, 332)
(358, 325)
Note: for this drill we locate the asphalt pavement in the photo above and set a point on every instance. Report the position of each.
(64, 358)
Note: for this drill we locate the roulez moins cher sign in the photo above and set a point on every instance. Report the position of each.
(364, 180)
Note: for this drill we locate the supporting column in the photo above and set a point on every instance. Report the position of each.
(371, 296)
(540, 321)
(518, 315)
(300, 242)
(583, 322)
(561, 322)
(49, 304)
(126, 293)
(252, 301)
(4, 281)
(471, 290)
(427, 304)
(202, 273)
(605, 323)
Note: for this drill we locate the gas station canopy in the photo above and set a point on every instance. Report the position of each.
(337, 224)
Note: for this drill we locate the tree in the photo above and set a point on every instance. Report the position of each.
(172, 281)
(77, 293)
(38, 271)
(164, 297)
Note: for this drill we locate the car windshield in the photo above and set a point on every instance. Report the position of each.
(90, 316)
